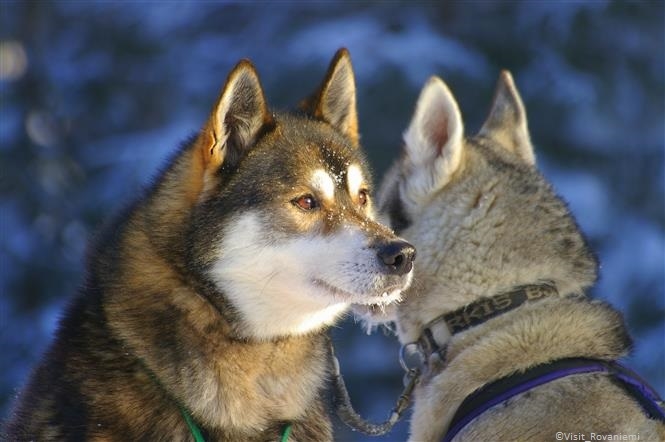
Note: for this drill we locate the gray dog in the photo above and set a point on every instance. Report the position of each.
(512, 348)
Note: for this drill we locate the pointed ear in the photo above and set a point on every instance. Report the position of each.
(335, 100)
(506, 122)
(239, 116)
(433, 141)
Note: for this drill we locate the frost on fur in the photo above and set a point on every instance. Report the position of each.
(375, 316)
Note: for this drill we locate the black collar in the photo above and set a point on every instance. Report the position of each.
(480, 311)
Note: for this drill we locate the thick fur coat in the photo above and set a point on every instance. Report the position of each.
(485, 221)
(213, 291)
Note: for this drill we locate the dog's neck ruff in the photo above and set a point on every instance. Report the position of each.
(194, 429)
(427, 348)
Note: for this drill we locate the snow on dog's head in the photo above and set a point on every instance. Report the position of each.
(284, 229)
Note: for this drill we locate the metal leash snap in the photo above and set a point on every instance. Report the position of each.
(411, 357)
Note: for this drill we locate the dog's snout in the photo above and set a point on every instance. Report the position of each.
(397, 256)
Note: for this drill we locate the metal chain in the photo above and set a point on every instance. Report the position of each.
(345, 411)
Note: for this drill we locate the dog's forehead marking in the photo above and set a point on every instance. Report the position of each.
(324, 183)
(354, 179)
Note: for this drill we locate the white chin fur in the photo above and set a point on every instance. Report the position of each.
(298, 285)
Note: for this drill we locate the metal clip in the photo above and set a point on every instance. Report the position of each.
(411, 357)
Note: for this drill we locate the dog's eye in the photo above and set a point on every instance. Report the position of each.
(363, 197)
(306, 202)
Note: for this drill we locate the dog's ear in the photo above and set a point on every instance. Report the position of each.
(433, 141)
(238, 118)
(506, 122)
(335, 100)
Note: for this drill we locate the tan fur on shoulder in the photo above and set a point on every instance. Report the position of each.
(538, 333)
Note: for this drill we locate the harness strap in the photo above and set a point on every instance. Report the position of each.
(503, 389)
(640, 390)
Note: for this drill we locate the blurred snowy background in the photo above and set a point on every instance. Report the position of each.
(95, 95)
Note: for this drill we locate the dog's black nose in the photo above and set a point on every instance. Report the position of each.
(398, 256)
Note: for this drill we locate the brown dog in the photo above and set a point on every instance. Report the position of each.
(208, 300)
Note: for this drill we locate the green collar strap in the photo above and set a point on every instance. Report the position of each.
(286, 433)
(198, 436)
(193, 428)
